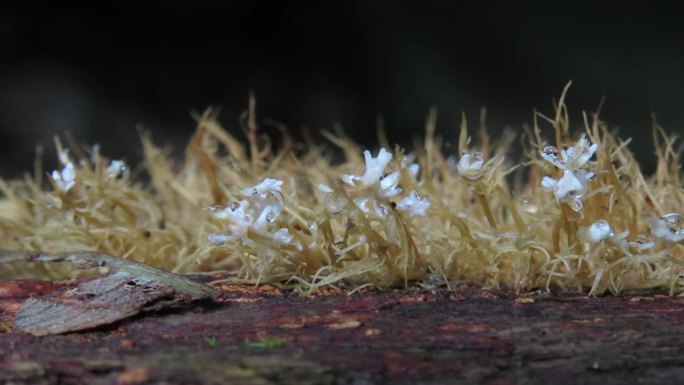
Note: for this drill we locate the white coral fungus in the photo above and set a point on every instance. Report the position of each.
(118, 168)
(570, 188)
(263, 206)
(375, 168)
(65, 179)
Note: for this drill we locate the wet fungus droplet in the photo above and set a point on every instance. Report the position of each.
(674, 223)
(550, 151)
(645, 241)
(273, 197)
(527, 204)
(213, 209)
(644, 238)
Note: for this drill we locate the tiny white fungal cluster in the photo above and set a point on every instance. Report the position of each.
(572, 186)
(668, 228)
(375, 169)
(414, 205)
(252, 222)
(118, 169)
(261, 206)
(600, 231)
(257, 214)
(378, 186)
(64, 179)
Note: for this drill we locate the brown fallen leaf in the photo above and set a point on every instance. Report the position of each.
(126, 290)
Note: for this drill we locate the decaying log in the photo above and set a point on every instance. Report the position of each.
(262, 336)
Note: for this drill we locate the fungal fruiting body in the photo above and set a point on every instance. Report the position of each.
(577, 214)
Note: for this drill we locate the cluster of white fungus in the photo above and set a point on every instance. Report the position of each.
(379, 186)
(261, 206)
(374, 194)
(414, 205)
(375, 172)
(64, 179)
(600, 231)
(571, 187)
(118, 169)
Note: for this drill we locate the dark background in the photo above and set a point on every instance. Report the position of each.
(99, 72)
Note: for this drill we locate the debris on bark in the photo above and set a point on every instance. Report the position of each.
(129, 288)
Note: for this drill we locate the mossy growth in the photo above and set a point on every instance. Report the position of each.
(572, 211)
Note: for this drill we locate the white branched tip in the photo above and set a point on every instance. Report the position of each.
(375, 168)
(282, 236)
(408, 162)
(562, 187)
(414, 205)
(262, 206)
(575, 157)
(599, 231)
(470, 165)
(388, 185)
(333, 203)
(572, 158)
(362, 203)
(266, 185)
(325, 189)
(570, 188)
(218, 239)
(235, 211)
(118, 168)
(669, 227)
(66, 178)
(63, 156)
(414, 169)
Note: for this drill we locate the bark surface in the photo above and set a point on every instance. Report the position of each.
(263, 336)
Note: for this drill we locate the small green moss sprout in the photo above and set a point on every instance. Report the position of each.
(264, 343)
(212, 342)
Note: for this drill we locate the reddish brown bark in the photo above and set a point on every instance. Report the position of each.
(466, 335)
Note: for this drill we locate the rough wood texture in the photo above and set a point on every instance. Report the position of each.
(465, 336)
(96, 302)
